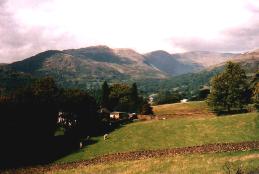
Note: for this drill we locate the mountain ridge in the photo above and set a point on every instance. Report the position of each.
(92, 65)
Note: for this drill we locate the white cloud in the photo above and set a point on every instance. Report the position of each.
(32, 26)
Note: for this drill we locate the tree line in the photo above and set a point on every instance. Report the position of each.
(121, 97)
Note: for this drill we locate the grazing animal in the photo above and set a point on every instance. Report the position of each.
(81, 144)
(105, 137)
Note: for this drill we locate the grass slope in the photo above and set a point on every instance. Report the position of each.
(190, 109)
(205, 163)
(172, 133)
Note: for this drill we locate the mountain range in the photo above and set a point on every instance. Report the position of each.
(92, 65)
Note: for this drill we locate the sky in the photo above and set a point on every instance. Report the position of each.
(28, 27)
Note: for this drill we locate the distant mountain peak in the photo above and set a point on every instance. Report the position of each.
(253, 51)
(45, 54)
(204, 58)
(98, 48)
(129, 53)
(169, 63)
(159, 52)
(200, 52)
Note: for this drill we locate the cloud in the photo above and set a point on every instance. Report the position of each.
(231, 40)
(236, 39)
(28, 27)
(19, 41)
(253, 6)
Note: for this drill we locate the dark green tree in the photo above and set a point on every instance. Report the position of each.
(146, 108)
(28, 120)
(134, 98)
(119, 98)
(78, 113)
(256, 96)
(105, 95)
(45, 97)
(164, 97)
(229, 89)
(204, 92)
(255, 90)
(134, 92)
(35, 108)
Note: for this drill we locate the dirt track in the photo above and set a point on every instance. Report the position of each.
(136, 155)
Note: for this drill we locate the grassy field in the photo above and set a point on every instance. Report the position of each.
(190, 109)
(172, 133)
(205, 163)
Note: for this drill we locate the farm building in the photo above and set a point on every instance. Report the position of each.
(119, 115)
(104, 112)
(184, 100)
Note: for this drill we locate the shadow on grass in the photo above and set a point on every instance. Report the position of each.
(19, 152)
(232, 112)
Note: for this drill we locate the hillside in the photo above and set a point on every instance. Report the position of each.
(171, 133)
(248, 60)
(185, 164)
(11, 80)
(103, 63)
(204, 58)
(180, 141)
(169, 64)
(190, 83)
(89, 65)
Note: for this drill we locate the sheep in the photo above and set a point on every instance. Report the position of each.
(88, 138)
(80, 144)
(105, 137)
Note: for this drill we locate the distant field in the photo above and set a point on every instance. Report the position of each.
(205, 163)
(172, 133)
(190, 109)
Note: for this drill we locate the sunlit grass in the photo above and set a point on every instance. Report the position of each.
(196, 163)
(196, 109)
(172, 133)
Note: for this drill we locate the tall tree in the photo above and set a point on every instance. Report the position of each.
(105, 95)
(256, 96)
(78, 110)
(134, 92)
(119, 98)
(229, 89)
(134, 98)
(146, 108)
(164, 97)
(204, 92)
(255, 90)
(35, 108)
